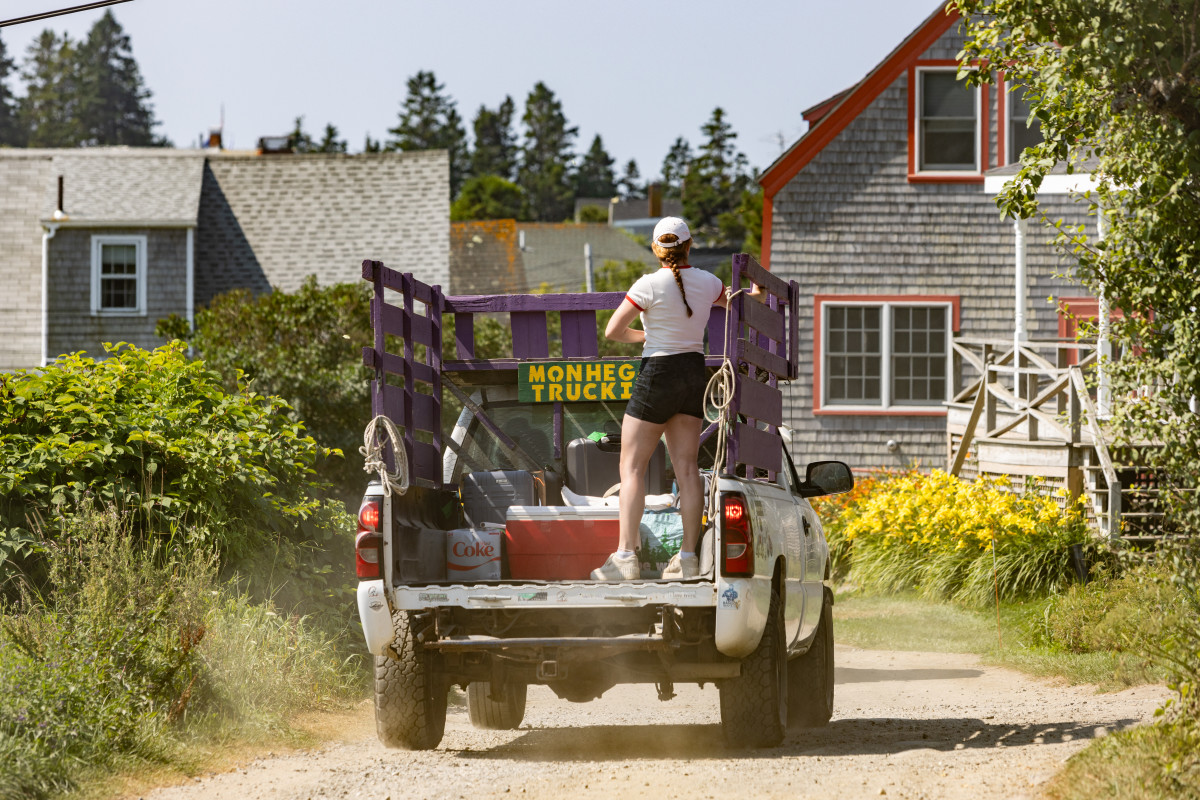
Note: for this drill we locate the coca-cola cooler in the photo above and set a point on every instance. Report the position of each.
(473, 554)
(558, 543)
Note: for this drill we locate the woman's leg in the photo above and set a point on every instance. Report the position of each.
(638, 440)
(683, 443)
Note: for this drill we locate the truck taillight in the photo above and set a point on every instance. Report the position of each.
(368, 542)
(737, 538)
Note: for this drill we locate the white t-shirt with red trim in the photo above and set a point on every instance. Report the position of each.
(669, 329)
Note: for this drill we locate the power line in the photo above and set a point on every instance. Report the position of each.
(60, 12)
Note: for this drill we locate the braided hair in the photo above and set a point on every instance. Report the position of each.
(674, 257)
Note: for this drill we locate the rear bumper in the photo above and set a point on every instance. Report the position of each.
(555, 595)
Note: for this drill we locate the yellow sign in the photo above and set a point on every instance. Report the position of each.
(575, 381)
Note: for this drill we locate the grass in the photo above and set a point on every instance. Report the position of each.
(1152, 762)
(910, 622)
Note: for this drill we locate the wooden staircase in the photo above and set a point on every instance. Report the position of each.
(1035, 420)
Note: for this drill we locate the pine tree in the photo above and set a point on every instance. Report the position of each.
(495, 143)
(595, 177)
(372, 145)
(429, 120)
(675, 167)
(330, 142)
(48, 111)
(716, 178)
(299, 139)
(10, 128)
(114, 104)
(630, 184)
(545, 172)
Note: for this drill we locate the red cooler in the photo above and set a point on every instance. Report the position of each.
(553, 543)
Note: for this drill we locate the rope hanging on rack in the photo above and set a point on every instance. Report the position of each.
(719, 394)
(373, 461)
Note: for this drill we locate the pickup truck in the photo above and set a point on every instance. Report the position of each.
(478, 573)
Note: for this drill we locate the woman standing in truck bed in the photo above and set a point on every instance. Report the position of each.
(668, 397)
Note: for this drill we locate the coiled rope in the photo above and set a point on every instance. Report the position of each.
(372, 453)
(719, 394)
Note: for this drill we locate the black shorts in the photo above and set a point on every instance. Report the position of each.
(669, 385)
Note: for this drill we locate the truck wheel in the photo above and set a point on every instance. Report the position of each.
(493, 715)
(810, 677)
(754, 705)
(410, 694)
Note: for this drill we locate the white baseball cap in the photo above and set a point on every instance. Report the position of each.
(671, 225)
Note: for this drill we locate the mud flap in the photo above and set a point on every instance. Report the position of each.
(375, 615)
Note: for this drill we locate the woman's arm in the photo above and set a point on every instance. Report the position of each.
(618, 329)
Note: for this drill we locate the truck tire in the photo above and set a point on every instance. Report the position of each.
(492, 715)
(810, 676)
(410, 694)
(754, 705)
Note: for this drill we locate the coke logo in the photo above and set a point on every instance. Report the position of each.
(473, 550)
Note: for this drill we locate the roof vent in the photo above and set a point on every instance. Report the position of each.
(274, 144)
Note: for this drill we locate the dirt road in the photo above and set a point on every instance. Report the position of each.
(906, 725)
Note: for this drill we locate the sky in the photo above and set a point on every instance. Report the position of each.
(638, 72)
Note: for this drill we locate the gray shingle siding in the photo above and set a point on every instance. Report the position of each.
(73, 327)
(850, 222)
(22, 182)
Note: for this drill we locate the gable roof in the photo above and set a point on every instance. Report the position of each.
(829, 122)
(270, 221)
(553, 252)
(119, 185)
(485, 258)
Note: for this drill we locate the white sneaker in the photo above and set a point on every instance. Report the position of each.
(616, 568)
(682, 568)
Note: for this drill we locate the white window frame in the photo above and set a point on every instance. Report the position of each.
(918, 92)
(139, 243)
(885, 341)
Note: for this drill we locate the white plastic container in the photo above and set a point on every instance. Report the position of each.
(473, 554)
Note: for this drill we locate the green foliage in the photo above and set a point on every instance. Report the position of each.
(301, 141)
(135, 651)
(429, 120)
(630, 185)
(1118, 81)
(675, 168)
(616, 276)
(749, 219)
(495, 150)
(488, 197)
(49, 110)
(11, 134)
(305, 347)
(714, 183)
(594, 214)
(595, 177)
(545, 171)
(158, 436)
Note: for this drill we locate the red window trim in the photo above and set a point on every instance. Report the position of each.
(955, 302)
(914, 176)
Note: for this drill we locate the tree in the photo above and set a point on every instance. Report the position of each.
(1131, 102)
(630, 184)
(299, 139)
(495, 143)
(114, 104)
(429, 120)
(330, 142)
(595, 176)
(49, 110)
(715, 180)
(675, 168)
(487, 197)
(10, 128)
(545, 172)
(372, 145)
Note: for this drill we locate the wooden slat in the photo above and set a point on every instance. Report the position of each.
(758, 274)
(968, 433)
(759, 401)
(529, 336)
(420, 325)
(761, 318)
(716, 331)
(495, 303)
(464, 335)
(755, 355)
(425, 462)
(793, 313)
(579, 334)
(758, 448)
(394, 365)
(976, 360)
(1012, 424)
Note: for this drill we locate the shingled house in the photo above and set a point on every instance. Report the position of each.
(881, 213)
(98, 244)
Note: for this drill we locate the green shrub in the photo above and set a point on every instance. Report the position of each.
(158, 437)
(1130, 613)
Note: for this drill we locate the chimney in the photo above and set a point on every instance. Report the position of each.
(59, 214)
(214, 139)
(654, 199)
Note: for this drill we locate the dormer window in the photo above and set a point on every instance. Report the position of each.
(947, 122)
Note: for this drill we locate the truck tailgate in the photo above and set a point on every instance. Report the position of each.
(557, 595)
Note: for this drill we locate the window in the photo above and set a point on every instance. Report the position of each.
(884, 354)
(118, 274)
(1022, 130)
(947, 120)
